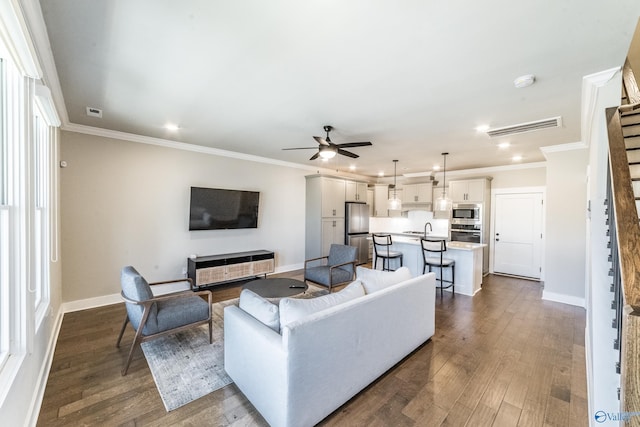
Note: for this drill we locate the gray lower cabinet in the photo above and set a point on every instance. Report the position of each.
(324, 214)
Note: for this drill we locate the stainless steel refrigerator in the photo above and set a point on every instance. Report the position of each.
(357, 229)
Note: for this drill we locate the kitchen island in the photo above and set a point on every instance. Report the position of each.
(468, 258)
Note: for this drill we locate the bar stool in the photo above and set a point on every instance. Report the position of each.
(381, 245)
(433, 256)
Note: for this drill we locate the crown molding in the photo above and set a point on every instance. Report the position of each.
(44, 54)
(479, 171)
(14, 30)
(563, 147)
(131, 137)
(590, 85)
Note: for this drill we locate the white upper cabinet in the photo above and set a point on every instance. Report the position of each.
(333, 197)
(417, 193)
(380, 200)
(356, 191)
(468, 191)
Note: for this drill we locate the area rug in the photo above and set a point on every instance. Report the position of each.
(186, 367)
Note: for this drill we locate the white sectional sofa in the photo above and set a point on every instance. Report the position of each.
(300, 361)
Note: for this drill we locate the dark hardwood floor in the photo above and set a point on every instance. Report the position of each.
(501, 358)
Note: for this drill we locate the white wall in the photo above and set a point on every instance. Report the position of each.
(565, 230)
(126, 203)
(602, 380)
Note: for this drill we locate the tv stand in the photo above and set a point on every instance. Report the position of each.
(224, 268)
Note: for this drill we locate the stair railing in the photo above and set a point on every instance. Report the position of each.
(625, 266)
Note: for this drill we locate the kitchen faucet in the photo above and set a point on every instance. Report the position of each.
(425, 229)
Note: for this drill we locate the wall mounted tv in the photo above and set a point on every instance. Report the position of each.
(220, 209)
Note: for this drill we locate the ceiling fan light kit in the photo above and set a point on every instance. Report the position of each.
(327, 152)
(327, 149)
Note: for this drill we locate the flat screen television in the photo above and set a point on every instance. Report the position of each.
(220, 209)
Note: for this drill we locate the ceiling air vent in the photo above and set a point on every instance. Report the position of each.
(553, 122)
(94, 112)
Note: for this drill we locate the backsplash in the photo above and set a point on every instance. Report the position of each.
(414, 221)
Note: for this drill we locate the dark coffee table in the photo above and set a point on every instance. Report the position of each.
(276, 287)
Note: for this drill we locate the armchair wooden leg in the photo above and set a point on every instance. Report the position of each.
(124, 325)
(210, 330)
(138, 337)
(137, 340)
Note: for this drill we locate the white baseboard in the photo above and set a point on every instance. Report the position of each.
(84, 304)
(589, 367)
(565, 299)
(285, 268)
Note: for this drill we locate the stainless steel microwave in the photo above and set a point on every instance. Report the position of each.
(466, 211)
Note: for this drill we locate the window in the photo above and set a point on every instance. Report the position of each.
(4, 222)
(26, 139)
(11, 118)
(41, 143)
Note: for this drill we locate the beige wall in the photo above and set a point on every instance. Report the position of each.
(535, 177)
(565, 229)
(126, 203)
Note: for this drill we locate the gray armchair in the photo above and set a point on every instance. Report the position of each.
(340, 267)
(153, 317)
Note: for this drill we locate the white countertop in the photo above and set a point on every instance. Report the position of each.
(415, 240)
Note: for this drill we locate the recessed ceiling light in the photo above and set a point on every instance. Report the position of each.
(482, 128)
(516, 158)
(352, 167)
(524, 81)
(436, 167)
(503, 145)
(172, 127)
(380, 173)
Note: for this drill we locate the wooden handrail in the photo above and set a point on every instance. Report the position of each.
(627, 225)
(627, 230)
(630, 83)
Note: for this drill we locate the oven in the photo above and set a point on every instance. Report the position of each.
(466, 230)
(466, 211)
(465, 236)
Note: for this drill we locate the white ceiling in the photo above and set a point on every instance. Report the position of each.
(414, 77)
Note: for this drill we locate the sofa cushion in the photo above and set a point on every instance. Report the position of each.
(375, 280)
(263, 310)
(292, 309)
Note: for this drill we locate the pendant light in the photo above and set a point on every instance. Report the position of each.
(395, 204)
(443, 203)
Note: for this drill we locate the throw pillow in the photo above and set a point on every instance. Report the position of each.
(263, 310)
(292, 309)
(375, 280)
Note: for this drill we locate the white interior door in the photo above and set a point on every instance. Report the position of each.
(518, 234)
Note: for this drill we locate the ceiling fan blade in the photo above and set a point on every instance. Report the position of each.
(301, 148)
(354, 144)
(315, 156)
(347, 153)
(321, 140)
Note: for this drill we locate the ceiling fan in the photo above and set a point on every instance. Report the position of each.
(327, 149)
